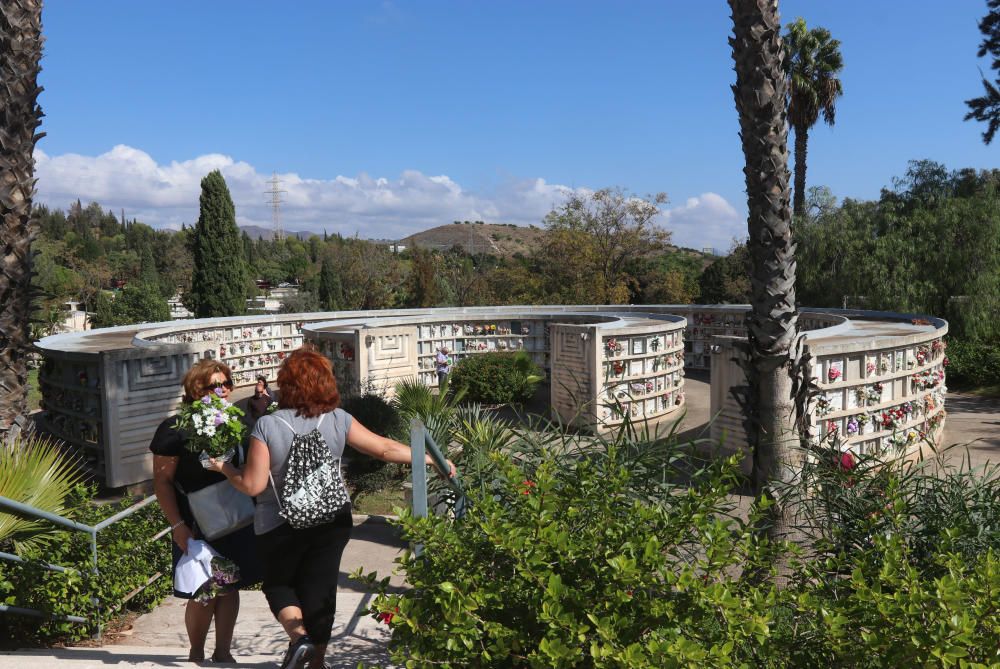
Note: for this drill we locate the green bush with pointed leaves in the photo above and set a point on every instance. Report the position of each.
(585, 552)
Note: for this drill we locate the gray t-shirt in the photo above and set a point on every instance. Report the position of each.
(278, 438)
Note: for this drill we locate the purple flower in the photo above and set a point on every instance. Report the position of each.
(220, 418)
(207, 399)
(218, 391)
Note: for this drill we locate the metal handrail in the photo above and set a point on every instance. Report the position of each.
(421, 442)
(29, 511)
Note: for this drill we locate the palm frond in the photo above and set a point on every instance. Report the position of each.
(36, 472)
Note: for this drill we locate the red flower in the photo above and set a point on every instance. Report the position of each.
(528, 485)
(386, 616)
(846, 461)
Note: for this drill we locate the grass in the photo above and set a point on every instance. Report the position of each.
(986, 391)
(34, 393)
(380, 503)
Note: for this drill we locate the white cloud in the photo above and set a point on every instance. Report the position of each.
(167, 195)
(707, 220)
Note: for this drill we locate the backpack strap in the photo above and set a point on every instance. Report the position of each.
(289, 425)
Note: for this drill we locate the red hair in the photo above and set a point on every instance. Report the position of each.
(306, 384)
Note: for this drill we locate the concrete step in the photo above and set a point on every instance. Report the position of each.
(342, 654)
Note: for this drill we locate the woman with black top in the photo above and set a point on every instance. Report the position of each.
(301, 566)
(177, 469)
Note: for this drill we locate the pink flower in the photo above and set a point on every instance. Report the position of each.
(846, 461)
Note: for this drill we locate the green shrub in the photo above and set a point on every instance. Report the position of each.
(497, 378)
(127, 559)
(903, 565)
(973, 363)
(363, 473)
(563, 568)
(377, 414)
(583, 552)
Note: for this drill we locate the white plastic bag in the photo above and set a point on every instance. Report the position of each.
(194, 567)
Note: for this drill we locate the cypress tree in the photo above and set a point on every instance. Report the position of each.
(221, 275)
(148, 273)
(330, 290)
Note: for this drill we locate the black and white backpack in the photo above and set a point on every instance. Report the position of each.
(313, 491)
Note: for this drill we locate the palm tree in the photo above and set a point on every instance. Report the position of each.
(774, 402)
(812, 63)
(20, 116)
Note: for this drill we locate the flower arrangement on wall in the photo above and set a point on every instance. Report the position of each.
(873, 393)
(927, 379)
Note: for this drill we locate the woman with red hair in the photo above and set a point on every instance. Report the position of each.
(301, 566)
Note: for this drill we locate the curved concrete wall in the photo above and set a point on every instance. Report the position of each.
(105, 391)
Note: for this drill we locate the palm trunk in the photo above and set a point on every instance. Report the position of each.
(775, 369)
(801, 144)
(20, 116)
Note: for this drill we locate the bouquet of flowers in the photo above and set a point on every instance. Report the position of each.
(225, 574)
(852, 426)
(213, 426)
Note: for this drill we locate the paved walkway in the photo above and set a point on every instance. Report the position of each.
(158, 638)
(973, 423)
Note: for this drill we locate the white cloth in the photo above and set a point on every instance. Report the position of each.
(194, 567)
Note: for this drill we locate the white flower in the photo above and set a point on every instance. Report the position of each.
(209, 431)
(196, 419)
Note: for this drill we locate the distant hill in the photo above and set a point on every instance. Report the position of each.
(496, 239)
(257, 232)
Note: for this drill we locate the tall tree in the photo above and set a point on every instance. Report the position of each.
(331, 293)
(20, 116)
(986, 108)
(777, 366)
(604, 230)
(219, 283)
(812, 65)
(424, 289)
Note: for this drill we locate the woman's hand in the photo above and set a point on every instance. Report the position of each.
(214, 465)
(182, 534)
(451, 467)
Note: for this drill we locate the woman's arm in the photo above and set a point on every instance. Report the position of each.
(252, 479)
(164, 470)
(364, 440)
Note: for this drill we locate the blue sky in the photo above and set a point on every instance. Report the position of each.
(383, 118)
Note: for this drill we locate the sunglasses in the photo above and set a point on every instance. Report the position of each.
(224, 384)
